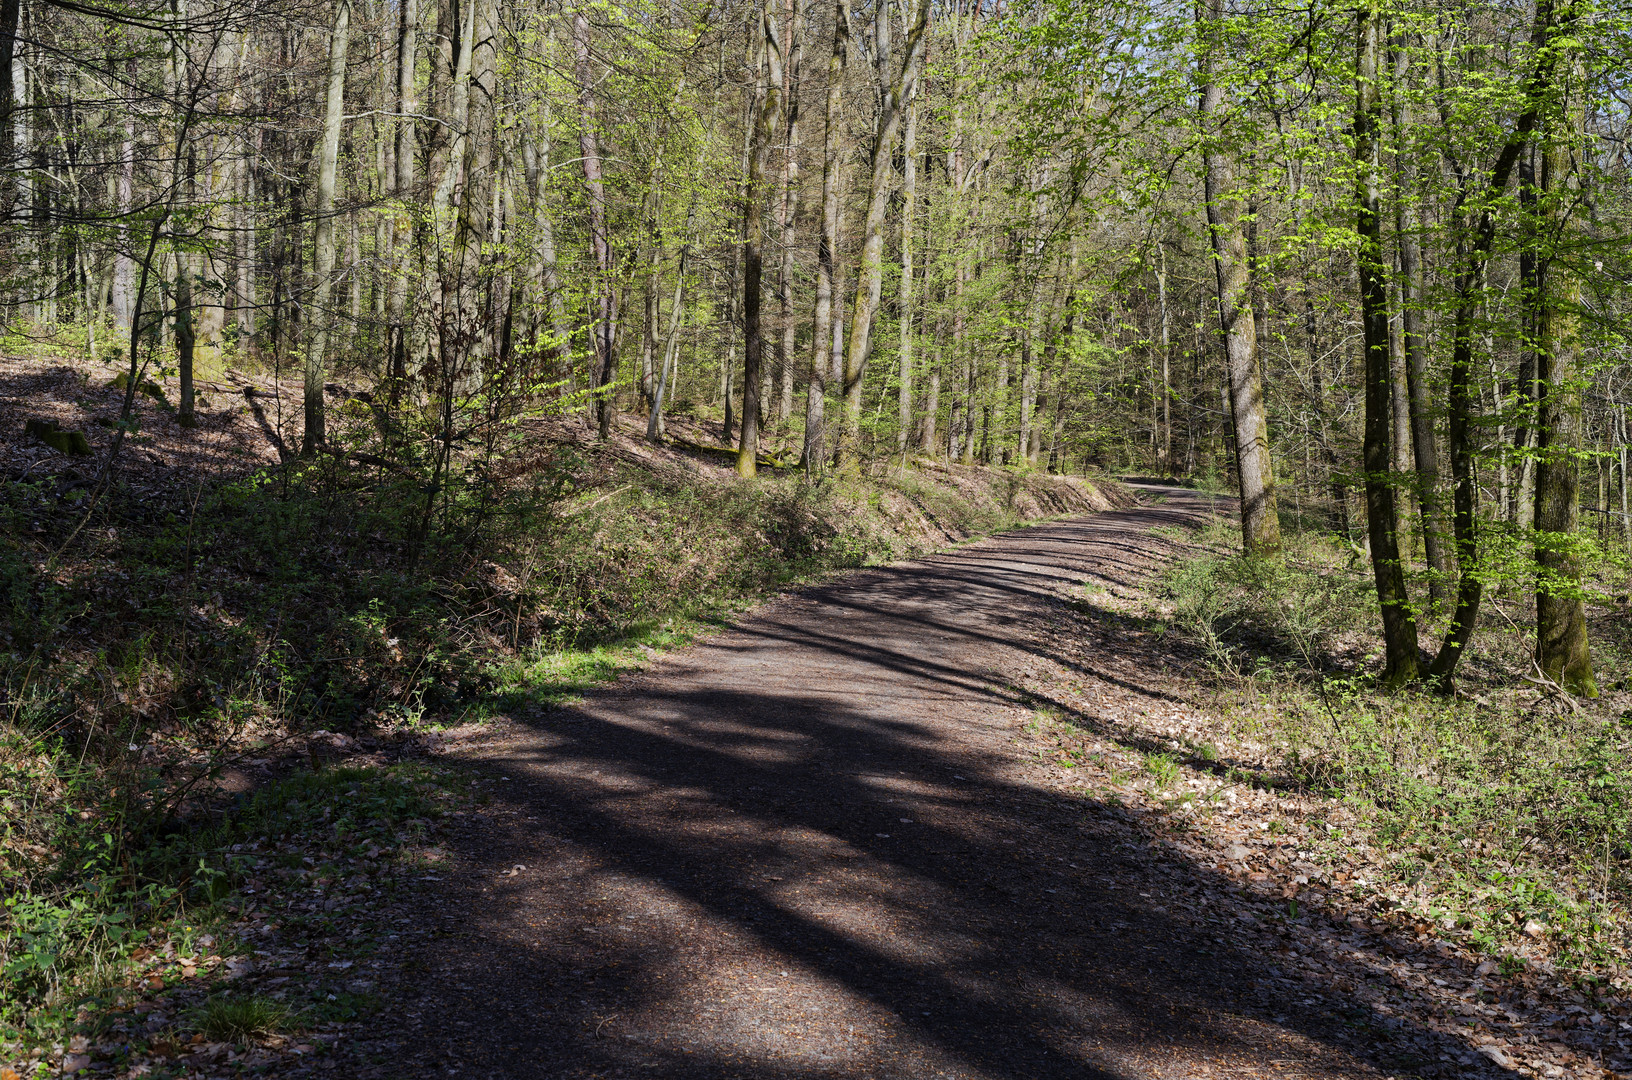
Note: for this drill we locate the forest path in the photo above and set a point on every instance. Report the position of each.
(809, 847)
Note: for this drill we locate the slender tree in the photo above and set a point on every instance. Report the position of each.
(1399, 623)
(1260, 520)
(323, 244)
(870, 269)
(753, 254)
(823, 333)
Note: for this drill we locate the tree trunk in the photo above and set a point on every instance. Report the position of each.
(186, 322)
(788, 212)
(733, 302)
(932, 394)
(1459, 397)
(1339, 519)
(402, 227)
(1522, 511)
(1408, 224)
(10, 16)
(1562, 652)
(671, 349)
(536, 162)
(589, 149)
(1260, 524)
(1165, 451)
(1028, 386)
(1399, 624)
(323, 244)
(909, 215)
(966, 447)
(1626, 462)
(870, 269)
(821, 341)
(1399, 432)
(124, 267)
(753, 255)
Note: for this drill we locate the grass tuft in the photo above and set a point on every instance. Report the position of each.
(239, 1019)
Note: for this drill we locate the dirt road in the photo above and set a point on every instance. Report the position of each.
(808, 847)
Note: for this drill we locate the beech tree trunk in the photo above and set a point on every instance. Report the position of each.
(788, 211)
(1399, 623)
(1408, 225)
(753, 254)
(822, 336)
(402, 224)
(1260, 523)
(870, 270)
(909, 213)
(1562, 651)
(589, 149)
(1164, 456)
(323, 244)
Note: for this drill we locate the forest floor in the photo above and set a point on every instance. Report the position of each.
(906, 824)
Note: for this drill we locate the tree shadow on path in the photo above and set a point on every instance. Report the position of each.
(808, 848)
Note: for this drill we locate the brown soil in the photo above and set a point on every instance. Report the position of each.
(814, 846)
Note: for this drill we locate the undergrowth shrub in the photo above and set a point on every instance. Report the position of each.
(1493, 808)
(1246, 610)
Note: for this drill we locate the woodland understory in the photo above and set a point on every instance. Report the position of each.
(374, 368)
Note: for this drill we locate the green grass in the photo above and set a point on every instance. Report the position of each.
(239, 1019)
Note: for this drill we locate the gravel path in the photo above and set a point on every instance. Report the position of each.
(809, 847)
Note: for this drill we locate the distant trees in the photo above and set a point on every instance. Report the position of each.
(1304, 256)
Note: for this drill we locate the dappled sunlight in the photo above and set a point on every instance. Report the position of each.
(780, 872)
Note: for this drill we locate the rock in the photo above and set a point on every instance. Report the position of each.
(1534, 929)
(1496, 1056)
(73, 1063)
(64, 442)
